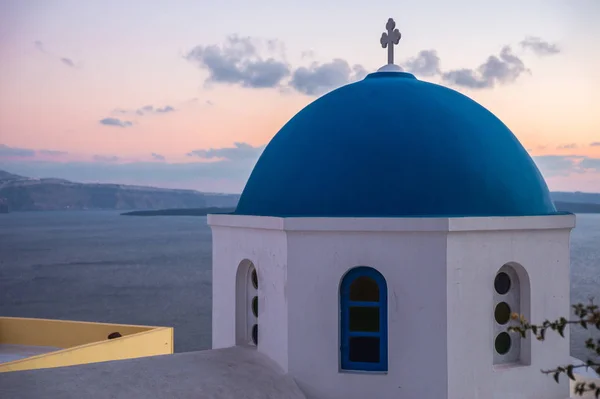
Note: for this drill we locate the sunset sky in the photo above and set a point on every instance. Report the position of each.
(186, 93)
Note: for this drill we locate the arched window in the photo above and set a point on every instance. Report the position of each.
(247, 304)
(511, 295)
(363, 307)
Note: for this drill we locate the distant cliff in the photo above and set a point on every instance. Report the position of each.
(181, 212)
(575, 197)
(20, 193)
(577, 207)
(576, 202)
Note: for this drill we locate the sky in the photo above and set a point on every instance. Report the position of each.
(187, 93)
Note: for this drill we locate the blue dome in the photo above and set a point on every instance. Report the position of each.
(394, 146)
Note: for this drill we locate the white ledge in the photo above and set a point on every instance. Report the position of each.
(395, 224)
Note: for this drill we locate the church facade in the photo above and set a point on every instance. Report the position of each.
(395, 307)
(383, 240)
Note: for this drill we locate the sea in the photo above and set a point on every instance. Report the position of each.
(101, 266)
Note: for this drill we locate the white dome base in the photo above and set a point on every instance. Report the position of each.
(390, 68)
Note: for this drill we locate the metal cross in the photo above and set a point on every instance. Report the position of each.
(390, 38)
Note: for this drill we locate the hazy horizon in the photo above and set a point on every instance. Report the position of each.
(225, 192)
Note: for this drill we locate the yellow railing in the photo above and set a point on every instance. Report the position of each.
(81, 342)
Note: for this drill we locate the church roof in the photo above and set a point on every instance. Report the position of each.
(230, 373)
(392, 145)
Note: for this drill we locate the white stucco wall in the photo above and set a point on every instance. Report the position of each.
(267, 251)
(439, 274)
(473, 261)
(410, 263)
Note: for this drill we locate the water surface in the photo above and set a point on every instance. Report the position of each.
(100, 266)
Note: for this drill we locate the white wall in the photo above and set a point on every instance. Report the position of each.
(473, 261)
(413, 265)
(440, 276)
(267, 251)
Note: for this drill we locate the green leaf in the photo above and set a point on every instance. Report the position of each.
(561, 329)
(570, 372)
(556, 376)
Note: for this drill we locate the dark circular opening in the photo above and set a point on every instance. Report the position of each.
(502, 343)
(502, 313)
(255, 334)
(502, 283)
(254, 278)
(255, 306)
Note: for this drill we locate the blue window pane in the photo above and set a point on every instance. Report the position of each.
(363, 307)
(365, 319)
(364, 349)
(364, 289)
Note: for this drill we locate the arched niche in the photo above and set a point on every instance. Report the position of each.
(246, 309)
(512, 294)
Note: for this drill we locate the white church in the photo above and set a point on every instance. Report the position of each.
(381, 243)
(378, 249)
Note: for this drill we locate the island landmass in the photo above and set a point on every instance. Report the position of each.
(180, 212)
(19, 193)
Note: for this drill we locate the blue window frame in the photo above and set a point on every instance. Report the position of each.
(363, 320)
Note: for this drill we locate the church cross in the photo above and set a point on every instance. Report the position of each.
(390, 38)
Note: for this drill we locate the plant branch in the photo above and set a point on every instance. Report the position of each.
(587, 316)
